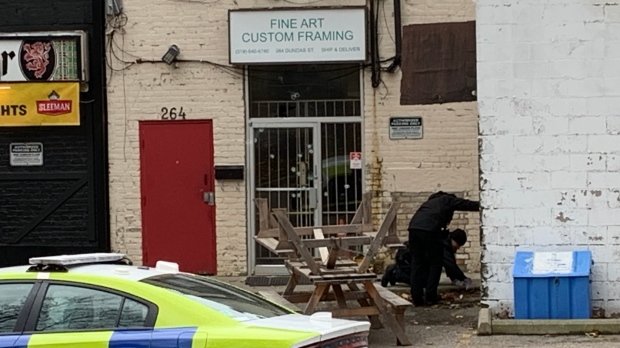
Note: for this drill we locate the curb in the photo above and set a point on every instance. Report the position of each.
(489, 326)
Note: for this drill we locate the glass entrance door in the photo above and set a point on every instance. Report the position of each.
(285, 168)
(304, 126)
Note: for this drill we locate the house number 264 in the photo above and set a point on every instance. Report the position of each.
(172, 113)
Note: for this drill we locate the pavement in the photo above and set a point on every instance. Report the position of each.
(454, 323)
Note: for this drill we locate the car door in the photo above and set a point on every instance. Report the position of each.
(72, 315)
(16, 298)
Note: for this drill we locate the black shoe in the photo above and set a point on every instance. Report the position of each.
(384, 280)
(388, 276)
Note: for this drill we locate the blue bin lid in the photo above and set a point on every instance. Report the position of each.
(530, 264)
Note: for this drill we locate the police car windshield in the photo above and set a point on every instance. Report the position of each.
(219, 296)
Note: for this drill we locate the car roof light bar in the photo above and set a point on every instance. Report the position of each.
(66, 260)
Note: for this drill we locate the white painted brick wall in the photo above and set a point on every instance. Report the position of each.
(549, 122)
(445, 159)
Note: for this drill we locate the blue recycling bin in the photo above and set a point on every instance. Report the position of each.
(552, 285)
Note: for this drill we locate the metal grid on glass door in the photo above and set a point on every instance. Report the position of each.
(311, 108)
(284, 175)
(341, 185)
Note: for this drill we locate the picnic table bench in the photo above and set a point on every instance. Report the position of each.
(333, 277)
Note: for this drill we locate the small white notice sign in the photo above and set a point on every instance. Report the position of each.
(355, 159)
(26, 154)
(553, 262)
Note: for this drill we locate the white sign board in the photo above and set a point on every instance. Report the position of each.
(406, 128)
(553, 262)
(26, 154)
(297, 35)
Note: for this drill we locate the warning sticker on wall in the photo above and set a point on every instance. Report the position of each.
(355, 160)
(26, 154)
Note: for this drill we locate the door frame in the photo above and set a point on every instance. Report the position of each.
(286, 122)
(314, 123)
(277, 124)
(213, 218)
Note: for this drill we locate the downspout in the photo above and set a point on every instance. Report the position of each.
(398, 33)
(374, 49)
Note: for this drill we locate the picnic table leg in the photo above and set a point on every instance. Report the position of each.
(318, 292)
(401, 337)
(375, 323)
(290, 286)
(342, 302)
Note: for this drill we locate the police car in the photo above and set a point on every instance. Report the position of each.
(101, 300)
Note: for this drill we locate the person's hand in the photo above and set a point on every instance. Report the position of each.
(468, 284)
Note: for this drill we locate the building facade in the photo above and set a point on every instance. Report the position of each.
(549, 126)
(53, 146)
(194, 142)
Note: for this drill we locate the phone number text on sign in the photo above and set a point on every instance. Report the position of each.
(406, 128)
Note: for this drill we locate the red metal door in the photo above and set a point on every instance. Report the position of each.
(177, 182)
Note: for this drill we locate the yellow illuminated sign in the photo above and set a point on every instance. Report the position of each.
(40, 104)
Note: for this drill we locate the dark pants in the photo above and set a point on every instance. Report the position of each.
(426, 264)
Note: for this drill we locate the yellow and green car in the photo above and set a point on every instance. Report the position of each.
(100, 300)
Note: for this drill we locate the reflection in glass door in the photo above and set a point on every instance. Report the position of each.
(341, 181)
(284, 174)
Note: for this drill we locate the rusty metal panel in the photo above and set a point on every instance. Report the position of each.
(438, 63)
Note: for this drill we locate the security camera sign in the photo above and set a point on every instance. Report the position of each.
(26, 154)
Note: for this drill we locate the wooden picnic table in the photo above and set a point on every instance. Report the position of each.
(337, 279)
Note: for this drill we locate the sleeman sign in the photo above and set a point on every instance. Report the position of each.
(40, 104)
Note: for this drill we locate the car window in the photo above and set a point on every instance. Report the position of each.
(222, 297)
(68, 308)
(12, 299)
(133, 314)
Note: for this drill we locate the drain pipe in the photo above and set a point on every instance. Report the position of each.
(374, 48)
(398, 33)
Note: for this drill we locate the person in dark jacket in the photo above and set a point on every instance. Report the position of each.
(451, 245)
(427, 230)
(400, 270)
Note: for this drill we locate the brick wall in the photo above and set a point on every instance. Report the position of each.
(468, 257)
(548, 91)
(79, 224)
(445, 159)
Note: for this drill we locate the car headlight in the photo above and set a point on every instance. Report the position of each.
(353, 341)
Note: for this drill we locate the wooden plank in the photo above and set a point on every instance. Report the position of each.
(316, 297)
(401, 337)
(291, 285)
(391, 298)
(332, 258)
(299, 245)
(367, 208)
(342, 242)
(323, 251)
(392, 235)
(328, 230)
(375, 323)
(378, 241)
(307, 273)
(274, 297)
(263, 216)
(303, 297)
(272, 245)
(342, 302)
(359, 213)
